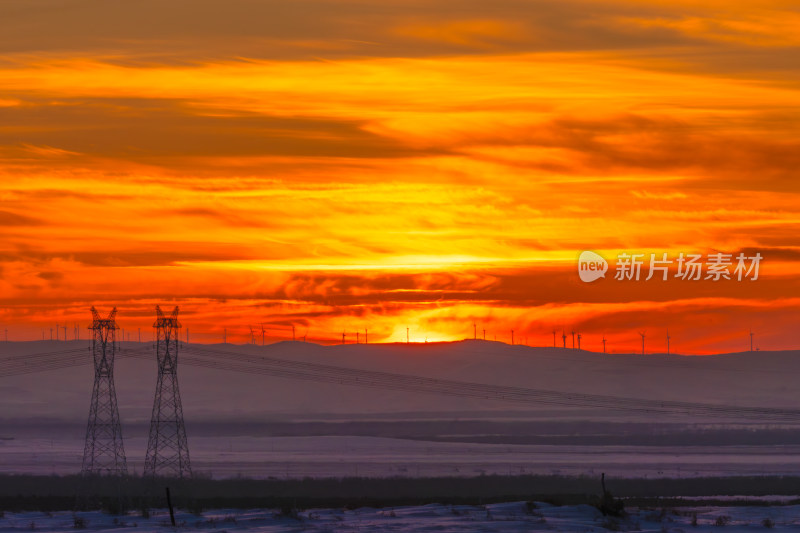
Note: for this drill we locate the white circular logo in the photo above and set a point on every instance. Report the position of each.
(591, 266)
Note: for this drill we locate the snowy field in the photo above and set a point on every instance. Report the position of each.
(757, 379)
(43, 424)
(343, 456)
(517, 516)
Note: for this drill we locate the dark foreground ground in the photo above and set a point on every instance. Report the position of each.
(54, 493)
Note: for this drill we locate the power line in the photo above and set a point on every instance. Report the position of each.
(231, 361)
(351, 376)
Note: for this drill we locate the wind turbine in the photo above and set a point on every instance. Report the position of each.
(564, 338)
(604, 344)
(579, 341)
(751, 340)
(554, 338)
(573, 339)
(642, 334)
(262, 334)
(304, 335)
(667, 341)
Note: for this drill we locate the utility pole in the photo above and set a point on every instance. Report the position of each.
(103, 451)
(167, 447)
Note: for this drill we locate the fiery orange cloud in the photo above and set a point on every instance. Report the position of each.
(403, 166)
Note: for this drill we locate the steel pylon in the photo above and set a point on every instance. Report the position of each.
(167, 447)
(103, 451)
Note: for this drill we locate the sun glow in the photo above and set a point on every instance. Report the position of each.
(427, 171)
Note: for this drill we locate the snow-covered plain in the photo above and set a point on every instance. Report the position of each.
(43, 419)
(765, 379)
(43, 415)
(346, 456)
(502, 517)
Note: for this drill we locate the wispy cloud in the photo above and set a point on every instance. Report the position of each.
(397, 164)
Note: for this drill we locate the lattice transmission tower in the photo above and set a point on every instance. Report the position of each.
(103, 451)
(167, 447)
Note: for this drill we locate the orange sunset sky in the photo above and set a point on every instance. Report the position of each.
(342, 165)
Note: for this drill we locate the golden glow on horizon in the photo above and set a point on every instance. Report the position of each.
(416, 169)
